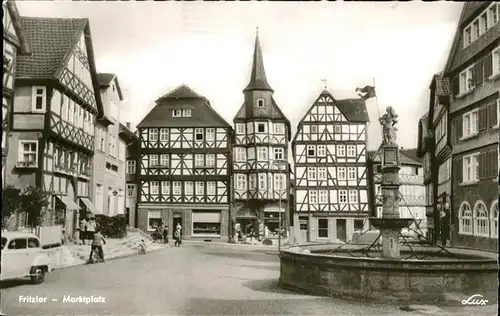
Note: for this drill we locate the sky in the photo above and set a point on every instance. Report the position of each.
(153, 47)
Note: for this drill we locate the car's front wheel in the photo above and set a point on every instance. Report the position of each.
(37, 275)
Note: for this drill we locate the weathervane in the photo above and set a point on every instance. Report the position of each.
(324, 82)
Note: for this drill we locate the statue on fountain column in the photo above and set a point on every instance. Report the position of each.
(388, 120)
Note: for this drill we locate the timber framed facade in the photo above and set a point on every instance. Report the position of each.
(56, 103)
(329, 152)
(183, 168)
(261, 172)
(411, 189)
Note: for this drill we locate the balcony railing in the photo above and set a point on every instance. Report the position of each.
(27, 164)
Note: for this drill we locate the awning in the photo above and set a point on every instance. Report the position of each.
(246, 213)
(274, 210)
(70, 204)
(206, 217)
(89, 205)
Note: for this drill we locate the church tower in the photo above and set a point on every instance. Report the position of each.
(260, 157)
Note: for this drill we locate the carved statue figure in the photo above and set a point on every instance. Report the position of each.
(388, 120)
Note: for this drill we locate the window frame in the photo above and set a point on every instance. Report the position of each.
(321, 151)
(131, 190)
(35, 95)
(463, 220)
(342, 170)
(474, 165)
(320, 172)
(310, 148)
(495, 55)
(323, 196)
(199, 135)
(259, 125)
(164, 134)
(153, 132)
(240, 129)
(343, 197)
(473, 119)
(313, 196)
(186, 113)
(131, 164)
(22, 152)
(349, 170)
(260, 102)
(467, 85)
(481, 225)
(493, 219)
(279, 153)
(351, 148)
(353, 196)
(340, 151)
(176, 113)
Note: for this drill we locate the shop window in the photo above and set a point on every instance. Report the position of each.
(207, 223)
(271, 223)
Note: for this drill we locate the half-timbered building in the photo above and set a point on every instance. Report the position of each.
(425, 153)
(411, 189)
(260, 154)
(184, 166)
(14, 42)
(108, 182)
(132, 156)
(329, 151)
(56, 102)
(473, 68)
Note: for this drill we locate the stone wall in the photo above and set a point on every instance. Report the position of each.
(425, 281)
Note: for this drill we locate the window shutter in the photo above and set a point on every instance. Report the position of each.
(493, 162)
(458, 170)
(455, 85)
(492, 114)
(482, 116)
(478, 73)
(488, 65)
(458, 128)
(482, 165)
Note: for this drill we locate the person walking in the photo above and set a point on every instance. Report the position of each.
(165, 234)
(97, 242)
(91, 228)
(83, 230)
(177, 236)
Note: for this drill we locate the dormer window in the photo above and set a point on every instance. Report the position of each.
(176, 113)
(186, 112)
(260, 103)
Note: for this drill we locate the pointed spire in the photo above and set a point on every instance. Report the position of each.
(258, 80)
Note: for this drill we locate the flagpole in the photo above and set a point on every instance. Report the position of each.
(378, 107)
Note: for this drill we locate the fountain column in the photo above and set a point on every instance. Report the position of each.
(390, 195)
(390, 224)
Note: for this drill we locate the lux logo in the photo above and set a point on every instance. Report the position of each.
(476, 299)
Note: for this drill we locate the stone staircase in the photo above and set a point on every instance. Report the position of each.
(118, 247)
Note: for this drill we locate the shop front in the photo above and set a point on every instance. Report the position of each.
(206, 223)
(245, 224)
(274, 219)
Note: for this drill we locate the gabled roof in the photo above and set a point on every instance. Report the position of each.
(20, 32)
(52, 42)
(181, 92)
(258, 80)
(51, 39)
(105, 80)
(125, 132)
(353, 109)
(468, 11)
(183, 97)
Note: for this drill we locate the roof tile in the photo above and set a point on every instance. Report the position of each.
(50, 40)
(202, 113)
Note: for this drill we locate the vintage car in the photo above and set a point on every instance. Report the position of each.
(22, 256)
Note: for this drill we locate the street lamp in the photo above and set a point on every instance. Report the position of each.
(278, 163)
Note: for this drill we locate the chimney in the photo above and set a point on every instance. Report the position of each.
(128, 125)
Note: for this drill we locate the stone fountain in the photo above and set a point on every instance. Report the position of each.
(425, 274)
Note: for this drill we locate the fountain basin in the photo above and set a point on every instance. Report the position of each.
(439, 279)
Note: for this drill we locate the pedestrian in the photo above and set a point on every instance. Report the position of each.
(91, 228)
(83, 230)
(177, 236)
(179, 227)
(97, 242)
(165, 234)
